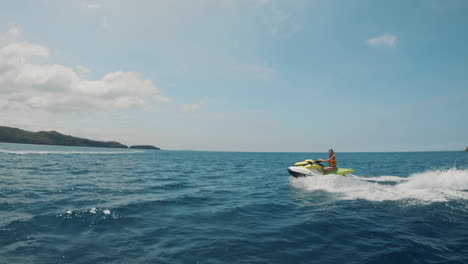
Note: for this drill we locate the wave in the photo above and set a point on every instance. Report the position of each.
(62, 152)
(425, 187)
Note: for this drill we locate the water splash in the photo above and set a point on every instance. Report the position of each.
(384, 178)
(425, 187)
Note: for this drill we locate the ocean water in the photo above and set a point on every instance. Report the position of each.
(89, 205)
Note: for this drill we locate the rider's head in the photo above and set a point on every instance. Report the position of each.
(331, 151)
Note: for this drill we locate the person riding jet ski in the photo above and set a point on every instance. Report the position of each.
(311, 167)
(331, 161)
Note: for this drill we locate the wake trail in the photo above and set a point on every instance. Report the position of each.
(383, 178)
(425, 187)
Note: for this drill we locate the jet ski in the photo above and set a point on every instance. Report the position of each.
(312, 168)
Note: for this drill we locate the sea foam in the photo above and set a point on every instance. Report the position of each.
(426, 187)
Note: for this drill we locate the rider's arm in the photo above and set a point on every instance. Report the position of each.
(328, 160)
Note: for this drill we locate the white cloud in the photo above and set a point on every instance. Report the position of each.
(127, 101)
(82, 69)
(128, 118)
(280, 18)
(163, 99)
(14, 30)
(253, 70)
(26, 84)
(86, 5)
(22, 51)
(231, 3)
(195, 107)
(388, 40)
(263, 2)
(116, 83)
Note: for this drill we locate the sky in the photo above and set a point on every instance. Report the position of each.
(246, 75)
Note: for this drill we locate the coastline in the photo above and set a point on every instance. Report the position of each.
(54, 138)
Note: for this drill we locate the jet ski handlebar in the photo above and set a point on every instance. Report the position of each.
(317, 162)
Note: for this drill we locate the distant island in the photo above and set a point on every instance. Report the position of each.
(144, 147)
(16, 135)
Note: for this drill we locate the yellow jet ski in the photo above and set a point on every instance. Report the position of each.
(312, 168)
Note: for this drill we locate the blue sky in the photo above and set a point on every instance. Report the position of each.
(247, 75)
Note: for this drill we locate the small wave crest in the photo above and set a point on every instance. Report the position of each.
(62, 152)
(82, 213)
(426, 187)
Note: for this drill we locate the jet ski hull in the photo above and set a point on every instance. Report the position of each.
(300, 172)
(313, 168)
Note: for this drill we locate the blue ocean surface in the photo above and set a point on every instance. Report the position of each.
(92, 205)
